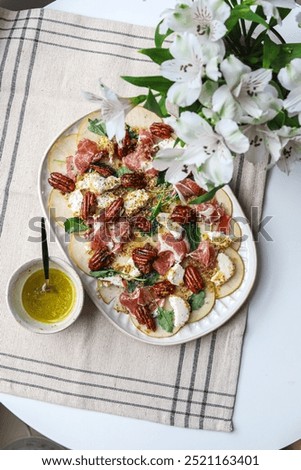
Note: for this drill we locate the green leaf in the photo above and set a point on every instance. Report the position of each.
(104, 273)
(151, 279)
(207, 196)
(155, 82)
(161, 177)
(277, 122)
(157, 55)
(152, 105)
(270, 52)
(131, 286)
(244, 12)
(160, 38)
(197, 301)
(156, 210)
(166, 319)
(97, 126)
(287, 52)
(75, 225)
(122, 170)
(136, 100)
(193, 234)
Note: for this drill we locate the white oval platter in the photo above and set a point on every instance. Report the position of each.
(223, 309)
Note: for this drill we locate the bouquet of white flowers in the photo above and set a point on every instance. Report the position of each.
(228, 85)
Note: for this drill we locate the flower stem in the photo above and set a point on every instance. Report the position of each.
(278, 35)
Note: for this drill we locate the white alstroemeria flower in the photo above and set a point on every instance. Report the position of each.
(250, 89)
(191, 62)
(206, 149)
(270, 7)
(205, 18)
(298, 19)
(290, 78)
(172, 161)
(290, 139)
(113, 110)
(263, 142)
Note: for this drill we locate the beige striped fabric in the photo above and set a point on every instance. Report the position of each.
(46, 59)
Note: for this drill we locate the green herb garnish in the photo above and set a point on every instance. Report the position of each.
(166, 319)
(193, 234)
(207, 196)
(123, 170)
(97, 127)
(104, 273)
(75, 225)
(197, 301)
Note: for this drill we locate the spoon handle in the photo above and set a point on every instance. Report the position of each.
(45, 255)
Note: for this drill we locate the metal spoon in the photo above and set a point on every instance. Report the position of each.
(46, 286)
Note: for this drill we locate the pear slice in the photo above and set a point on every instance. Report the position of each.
(235, 281)
(141, 117)
(79, 252)
(200, 313)
(110, 293)
(236, 234)
(83, 131)
(58, 207)
(65, 146)
(224, 200)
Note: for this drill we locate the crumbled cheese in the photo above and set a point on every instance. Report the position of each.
(181, 310)
(219, 239)
(175, 275)
(225, 269)
(173, 227)
(75, 200)
(135, 200)
(105, 200)
(98, 184)
(130, 269)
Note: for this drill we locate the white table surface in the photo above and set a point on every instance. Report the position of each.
(268, 407)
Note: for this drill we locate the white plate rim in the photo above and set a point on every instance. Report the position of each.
(208, 325)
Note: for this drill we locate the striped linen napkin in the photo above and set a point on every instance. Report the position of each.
(46, 59)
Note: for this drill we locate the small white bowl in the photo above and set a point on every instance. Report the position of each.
(14, 296)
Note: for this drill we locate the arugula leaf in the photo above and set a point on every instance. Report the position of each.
(97, 126)
(193, 234)
(157, 209)
(207, 196)
(104, 273)
(197, 301)
(166, 319)
(123, 170)
(132, 133)
(75, 225)
(151, 279)
(131, 286)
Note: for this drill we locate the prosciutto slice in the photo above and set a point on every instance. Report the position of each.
(189, 188)
(85, 155)
(204, 254)
(165, 260)
(179, 248)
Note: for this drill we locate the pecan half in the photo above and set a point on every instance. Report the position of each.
(183, 214)
(133, 180)
(103, 169)
(61, 182)
(193, 279)
(143, 257)
(142, 223)
(161, 130)
(144, 317)
(114, 210)
(163, 289)
(101, 258)
(88, 206)
(127, 146)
